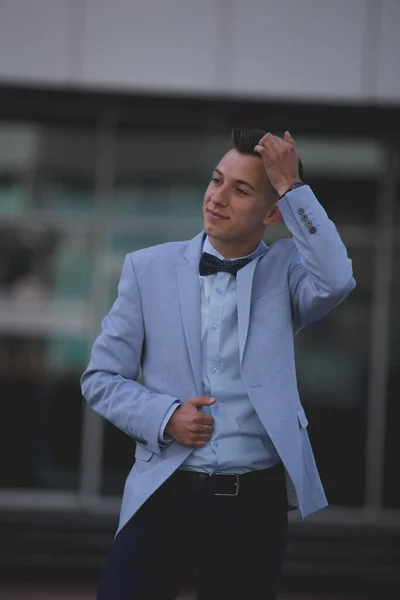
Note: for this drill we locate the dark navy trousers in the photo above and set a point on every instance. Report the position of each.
(235, 544)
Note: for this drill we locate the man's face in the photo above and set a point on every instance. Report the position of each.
(238, 202)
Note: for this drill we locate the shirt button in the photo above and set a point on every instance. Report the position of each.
(218, 291)
(214, 326)
(214, 370)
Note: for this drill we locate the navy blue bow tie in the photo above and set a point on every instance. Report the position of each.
(210, 264)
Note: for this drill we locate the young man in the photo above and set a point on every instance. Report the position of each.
(222, 450)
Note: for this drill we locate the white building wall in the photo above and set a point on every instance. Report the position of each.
(388, 59)
(36, 42)
(305, 49)
(311, 48)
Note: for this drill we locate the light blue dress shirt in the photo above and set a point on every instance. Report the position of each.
(239, 442)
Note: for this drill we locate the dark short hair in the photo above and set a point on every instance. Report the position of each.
(243, 140)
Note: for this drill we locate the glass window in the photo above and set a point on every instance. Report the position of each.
(155, 181)
(392, 446)
(45, 288)
(45, 264)
(347, 197)
(344, 174)
(118, 458)
(46, 167)
(164, 174)
(45, 280)
(40, 427)
(332, 361)
(391, 492)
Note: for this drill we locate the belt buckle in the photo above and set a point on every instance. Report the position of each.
(236, 485)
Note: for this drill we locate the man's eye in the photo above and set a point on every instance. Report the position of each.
(242, 192)
(216, 180)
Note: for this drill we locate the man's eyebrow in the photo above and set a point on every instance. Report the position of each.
(239, 181)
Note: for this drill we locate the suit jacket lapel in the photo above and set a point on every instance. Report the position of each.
(244, 280)
(189, 296)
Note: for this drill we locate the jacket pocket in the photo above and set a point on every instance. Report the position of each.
(142, 452)
(301, 415)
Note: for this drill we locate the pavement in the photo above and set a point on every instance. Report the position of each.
(29, 592)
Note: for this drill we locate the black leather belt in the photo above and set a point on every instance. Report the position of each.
(219, 484)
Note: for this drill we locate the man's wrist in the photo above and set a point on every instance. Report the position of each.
(163, 435)
(284, 189)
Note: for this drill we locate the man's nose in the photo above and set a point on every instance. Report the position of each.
(220, 196)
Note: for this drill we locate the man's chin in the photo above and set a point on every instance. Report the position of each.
(208, 228)
(211, 229)
(214, 235)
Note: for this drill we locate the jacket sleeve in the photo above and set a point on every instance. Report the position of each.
(320, 271)
(109, 383)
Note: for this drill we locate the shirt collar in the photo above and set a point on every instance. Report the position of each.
(207, 247)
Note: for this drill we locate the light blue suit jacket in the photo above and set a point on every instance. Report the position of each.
(155, 323)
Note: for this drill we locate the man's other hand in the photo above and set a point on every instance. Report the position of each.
(189, 426)
(280, 159)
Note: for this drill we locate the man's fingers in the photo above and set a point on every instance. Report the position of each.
(269, 150)
(270, 140)
(200, 401)
(272, 143)
(262, 150)
(199, 443)
(270, 136)
(202, 437)
(198, 439)
(203, 418)
(259, 148)
(203, 425)
(264, 139)
(200, 428)
(288, 138)
(265, 154)
(196, 445)
(265, 143)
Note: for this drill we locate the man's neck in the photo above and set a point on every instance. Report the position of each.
(230, 251)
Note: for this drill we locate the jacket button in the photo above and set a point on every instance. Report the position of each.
(304, 217)
(313, 229)
(300, 211)
(308, 223)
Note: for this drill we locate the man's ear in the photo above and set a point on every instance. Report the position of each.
(273, 215)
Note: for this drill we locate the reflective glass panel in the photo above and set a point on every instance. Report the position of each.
(332, 362)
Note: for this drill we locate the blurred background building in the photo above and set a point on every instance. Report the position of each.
(112, 116)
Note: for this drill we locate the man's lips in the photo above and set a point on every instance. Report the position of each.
(215, 215)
